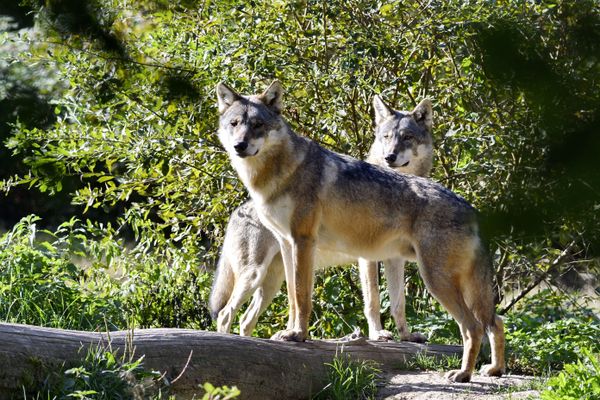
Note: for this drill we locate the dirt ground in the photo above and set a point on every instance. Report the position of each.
(433, 385)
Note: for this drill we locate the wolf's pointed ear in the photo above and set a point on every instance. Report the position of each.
(423, 114)
(382, 110)
(225, 96)
(272, 96)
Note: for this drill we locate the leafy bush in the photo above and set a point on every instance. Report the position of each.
(136, 119)
(40, 285)
(112, 287)
(578, 381)
(437, 325)
(543, 335)
(337, 310)
(546, 347)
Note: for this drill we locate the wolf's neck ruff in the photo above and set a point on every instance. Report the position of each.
(273, 166)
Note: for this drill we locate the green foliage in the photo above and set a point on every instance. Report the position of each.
(219, 393)
(102, 375)
(350, 379)
(336, 308)
(136, 123)
(578, 381)
(437, 325)
(40, 285)
(107, 374)
(112, 286)
(544, 334)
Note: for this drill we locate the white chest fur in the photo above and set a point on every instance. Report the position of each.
(276, 214)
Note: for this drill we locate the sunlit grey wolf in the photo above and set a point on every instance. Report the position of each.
(307, 195)
(251, 263)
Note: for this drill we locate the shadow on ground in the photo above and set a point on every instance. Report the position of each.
(433, 385)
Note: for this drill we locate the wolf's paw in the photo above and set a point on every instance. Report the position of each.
(381, 335)
(458, 375)
(224, 321)
(491, 370)
(413, 337)
(289, 335)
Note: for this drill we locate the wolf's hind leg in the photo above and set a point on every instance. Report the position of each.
(246, 283)
(445, 285)
(472, 335)
(394, 275)
(496, 336)
(263, 296)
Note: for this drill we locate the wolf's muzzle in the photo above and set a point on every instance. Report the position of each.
(390, 158)
(240, 147)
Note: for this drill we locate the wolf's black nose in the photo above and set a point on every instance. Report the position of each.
(390, 158)
(240, 146)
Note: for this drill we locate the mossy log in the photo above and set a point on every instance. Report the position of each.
(260, 368)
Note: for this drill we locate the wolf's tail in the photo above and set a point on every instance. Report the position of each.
(222, 287)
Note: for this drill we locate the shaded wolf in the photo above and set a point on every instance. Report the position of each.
(251, 262)
(307, 195)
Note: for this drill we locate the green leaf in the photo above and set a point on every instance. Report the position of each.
(105, 178)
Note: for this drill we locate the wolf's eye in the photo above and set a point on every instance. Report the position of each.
(406, 138)
(257, 124)
(234, 122)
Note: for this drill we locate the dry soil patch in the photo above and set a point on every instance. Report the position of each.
(433, 385)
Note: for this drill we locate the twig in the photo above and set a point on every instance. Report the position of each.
(118, 59)
(557, 261)
(184, 368)
(500, 276)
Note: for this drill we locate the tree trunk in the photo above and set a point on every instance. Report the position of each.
(260, 368)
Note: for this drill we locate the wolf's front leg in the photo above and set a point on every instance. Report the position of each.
(394, 275)
(288, 264)
(303, 251)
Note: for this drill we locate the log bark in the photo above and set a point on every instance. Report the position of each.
(260, 368)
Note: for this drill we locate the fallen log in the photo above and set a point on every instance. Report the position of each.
(260, 368)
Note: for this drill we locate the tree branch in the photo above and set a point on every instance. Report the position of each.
(555, 264)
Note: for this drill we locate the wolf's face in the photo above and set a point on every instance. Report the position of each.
(402, 137)
(246, 121)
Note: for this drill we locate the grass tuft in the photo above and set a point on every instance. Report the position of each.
(349, 379)
(426, 362)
